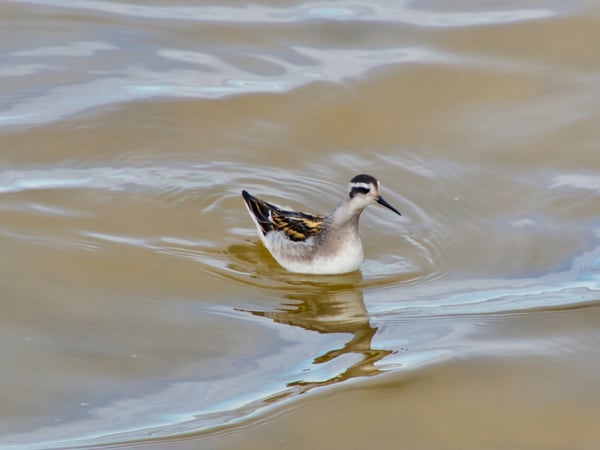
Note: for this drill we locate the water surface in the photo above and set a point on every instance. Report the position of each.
(140, 309)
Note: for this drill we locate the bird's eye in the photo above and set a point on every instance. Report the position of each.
(358, 190)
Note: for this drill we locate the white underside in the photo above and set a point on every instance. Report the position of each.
(323, 266)
(298, 257)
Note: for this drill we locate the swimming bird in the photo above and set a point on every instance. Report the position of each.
(314, 244)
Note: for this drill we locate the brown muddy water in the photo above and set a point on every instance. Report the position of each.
(139, 309)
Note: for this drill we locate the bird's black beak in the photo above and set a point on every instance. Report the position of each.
(381, 201)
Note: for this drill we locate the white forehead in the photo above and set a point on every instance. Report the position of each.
(361, 185)
(364, 185)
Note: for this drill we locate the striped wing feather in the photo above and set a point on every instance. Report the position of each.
(296, 225)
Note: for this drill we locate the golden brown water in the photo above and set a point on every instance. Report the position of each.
(139, 309)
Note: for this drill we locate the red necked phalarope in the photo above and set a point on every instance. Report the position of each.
(307, 243)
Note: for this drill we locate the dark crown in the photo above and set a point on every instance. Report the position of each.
(363, 178)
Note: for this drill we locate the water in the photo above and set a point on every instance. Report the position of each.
(139, 308)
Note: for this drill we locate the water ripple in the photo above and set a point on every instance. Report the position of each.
(398, 12)
(213, 77)
(578, 181)
(209, 72)
(75, 49)
(113, 179)
(579, 285)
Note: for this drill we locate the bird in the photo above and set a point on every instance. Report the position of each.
(317, 244)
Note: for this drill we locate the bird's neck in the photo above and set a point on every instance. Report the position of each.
(345, 214)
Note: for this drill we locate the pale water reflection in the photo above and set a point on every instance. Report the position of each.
(338, 310)
(395, 12)
(215, 401)
(213, 72)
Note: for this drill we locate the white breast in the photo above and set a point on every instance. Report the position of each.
(345, 259)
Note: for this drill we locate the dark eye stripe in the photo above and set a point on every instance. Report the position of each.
(358, 190)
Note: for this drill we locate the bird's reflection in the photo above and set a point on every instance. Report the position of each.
(332, 309)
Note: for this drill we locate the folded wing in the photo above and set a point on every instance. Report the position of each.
(296, 225)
